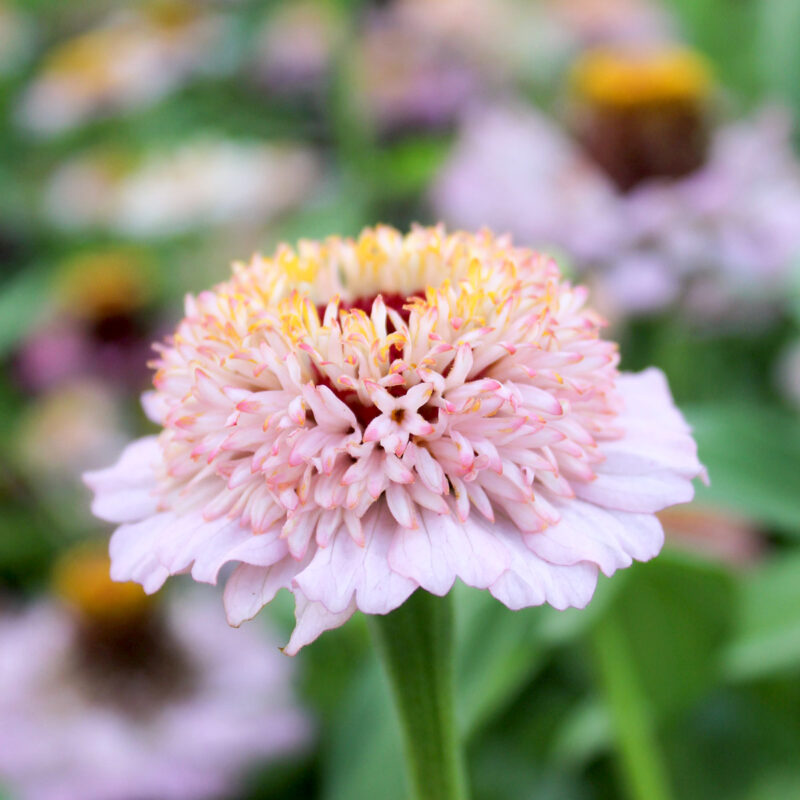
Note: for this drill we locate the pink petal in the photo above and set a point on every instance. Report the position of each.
(531, 580)
(133, 547)
(401, 506)
(345, 570)
(124, 492)
(312, 620)
(250, 588)
(208, 546)
(610, 539)
(653, 465)
(443, 549)
(155, 406)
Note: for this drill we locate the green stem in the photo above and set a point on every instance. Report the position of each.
(639, 754)
(416, 645)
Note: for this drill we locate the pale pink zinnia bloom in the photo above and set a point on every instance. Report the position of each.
(353, 420)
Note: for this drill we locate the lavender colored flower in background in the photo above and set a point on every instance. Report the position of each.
(723, 233)
(108, 696)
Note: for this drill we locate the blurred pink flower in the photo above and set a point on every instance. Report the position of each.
(717, 240)
(711, 532)
(296, 46)
(510, 41)
(358, 419)
(405, 79)
(91, 323)
(77, 426)
(62, 738)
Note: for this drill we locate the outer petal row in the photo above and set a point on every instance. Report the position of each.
(609, 524)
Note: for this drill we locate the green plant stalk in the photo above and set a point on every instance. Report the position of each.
(415, 642)
(639, 754)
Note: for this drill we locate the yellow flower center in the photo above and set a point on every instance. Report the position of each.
(626, 79)
(104, 283)
(81, 578)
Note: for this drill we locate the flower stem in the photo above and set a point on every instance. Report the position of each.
(416, 645)
(640, 758)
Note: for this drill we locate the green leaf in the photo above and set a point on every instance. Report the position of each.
(500, 650)
(753, 458)
(724, 31)
(20, 305)
(779, 56)
(767, 635)
(739, 745)
(407, 167)
(641, 760)
(676, 654)
(654, 659)
(362, 755)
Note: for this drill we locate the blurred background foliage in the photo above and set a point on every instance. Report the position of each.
(287, 120)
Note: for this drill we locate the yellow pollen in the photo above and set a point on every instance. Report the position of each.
(625, 79)
(103, 283)
(81, 578)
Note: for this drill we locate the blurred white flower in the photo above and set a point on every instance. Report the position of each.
(206, 182)
(106, 698)
(77, 426)
(134, 58)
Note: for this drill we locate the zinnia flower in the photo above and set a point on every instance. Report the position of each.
(712, 242)
(94, 322)
(108, 695)
(353, 420)
(202, 183)
(132, 59)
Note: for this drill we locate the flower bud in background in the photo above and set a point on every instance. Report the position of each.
(94, 324)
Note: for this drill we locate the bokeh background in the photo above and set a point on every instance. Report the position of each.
(145, 146)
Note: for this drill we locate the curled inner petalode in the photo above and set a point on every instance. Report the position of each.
(354, 419)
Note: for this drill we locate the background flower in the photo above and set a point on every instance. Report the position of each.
(86, 714)
(711, 241)
(200, 183)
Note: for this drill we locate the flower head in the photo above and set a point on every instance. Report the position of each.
(721, 241)
(355, 419)
(110, 695)
(203, 183)
(641, 114)
(131, 59)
